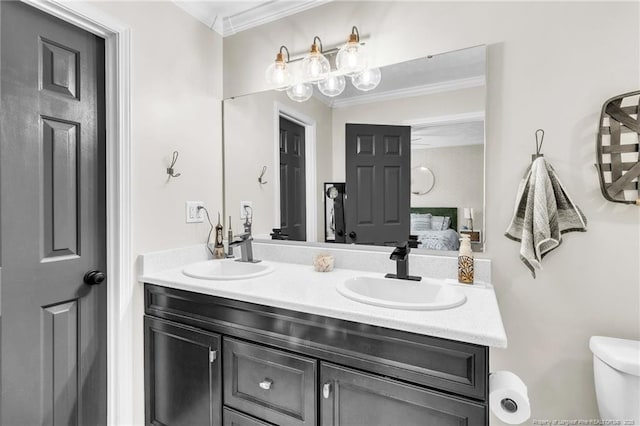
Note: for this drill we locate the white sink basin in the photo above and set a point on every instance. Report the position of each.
(422, 295)
(226, 269)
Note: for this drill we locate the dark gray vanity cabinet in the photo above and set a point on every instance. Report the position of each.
(216, 361)
(182, 375)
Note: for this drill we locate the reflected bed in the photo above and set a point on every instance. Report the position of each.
(435, 227)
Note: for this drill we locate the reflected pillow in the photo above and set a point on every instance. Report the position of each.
(440, 223)
(420, 222)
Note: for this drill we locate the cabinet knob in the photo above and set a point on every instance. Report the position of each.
(326, 390)
(266, 383)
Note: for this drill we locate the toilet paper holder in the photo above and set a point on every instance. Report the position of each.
(509, 405)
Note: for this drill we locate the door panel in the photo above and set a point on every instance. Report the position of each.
(293, 200)
(60, 185)
(60, 328)
(378, 163)
(52, 220)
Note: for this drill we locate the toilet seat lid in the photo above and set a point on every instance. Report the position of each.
(621, 354)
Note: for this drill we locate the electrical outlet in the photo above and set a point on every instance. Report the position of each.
(244, 206)
(193, 213)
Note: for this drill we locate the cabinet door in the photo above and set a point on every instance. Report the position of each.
(182, 375)
(352, 398)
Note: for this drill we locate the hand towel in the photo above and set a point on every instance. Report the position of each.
(543, 212)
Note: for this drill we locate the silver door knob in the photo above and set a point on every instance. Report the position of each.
(266, 384)
(94, 277)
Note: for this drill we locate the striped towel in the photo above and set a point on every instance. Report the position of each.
(543, 212)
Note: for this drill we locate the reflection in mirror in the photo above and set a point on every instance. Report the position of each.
(422, 180)
(406, 159)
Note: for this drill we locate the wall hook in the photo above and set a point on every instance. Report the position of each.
(539, 140)
(261, 177)
(170, 170)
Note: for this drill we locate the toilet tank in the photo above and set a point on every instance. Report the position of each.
(616, 371)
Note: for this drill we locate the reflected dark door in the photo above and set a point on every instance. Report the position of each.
(378, 171)
(293, 199)
(52, 221)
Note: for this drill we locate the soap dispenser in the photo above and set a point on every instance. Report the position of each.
(218, 248)
(465, 261)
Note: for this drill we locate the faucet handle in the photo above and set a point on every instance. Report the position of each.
(403, 248)
(246, 236)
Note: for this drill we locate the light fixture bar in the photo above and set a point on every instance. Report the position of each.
(326, 52)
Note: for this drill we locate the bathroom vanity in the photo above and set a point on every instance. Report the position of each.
(287, 349)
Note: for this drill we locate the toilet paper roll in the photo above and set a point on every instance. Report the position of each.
(508, 398)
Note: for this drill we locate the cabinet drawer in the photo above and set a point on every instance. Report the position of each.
(269, 384)
(353, 398)
(233, 418)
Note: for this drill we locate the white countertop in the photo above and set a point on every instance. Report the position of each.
(300, 288)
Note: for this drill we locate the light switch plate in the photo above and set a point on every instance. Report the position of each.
(193, 213)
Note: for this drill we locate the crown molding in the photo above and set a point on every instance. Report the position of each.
(262, 14)
(426, 89)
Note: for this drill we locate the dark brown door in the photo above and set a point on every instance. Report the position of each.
(182, 375)
(52, 221)
(293, 200)
(353, 398)
(378, 171)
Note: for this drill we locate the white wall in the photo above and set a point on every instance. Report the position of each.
(551, 65)
(176, 98)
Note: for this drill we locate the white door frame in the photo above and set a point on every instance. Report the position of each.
(309, 124)
(121, 283)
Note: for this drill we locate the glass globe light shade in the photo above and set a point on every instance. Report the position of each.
(300, 92)
(332, 85)
(367, 79)
(351, 58)
(278, 75)
(315, 66)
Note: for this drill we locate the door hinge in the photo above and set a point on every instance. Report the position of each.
(212, 355)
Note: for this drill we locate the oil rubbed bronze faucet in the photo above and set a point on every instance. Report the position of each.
(401, 255)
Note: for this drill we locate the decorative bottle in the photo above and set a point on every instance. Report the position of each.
(465, 261)
(218, 248)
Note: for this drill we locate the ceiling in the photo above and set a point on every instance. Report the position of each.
(230, 17)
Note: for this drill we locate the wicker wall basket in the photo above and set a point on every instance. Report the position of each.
(617, 149)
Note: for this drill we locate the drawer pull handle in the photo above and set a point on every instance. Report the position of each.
(266, 384)
(326, 390)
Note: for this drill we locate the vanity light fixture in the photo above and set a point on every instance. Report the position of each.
(351, 58)
(278, 74)
(315, 66)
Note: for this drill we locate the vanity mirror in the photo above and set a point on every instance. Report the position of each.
(426, 114)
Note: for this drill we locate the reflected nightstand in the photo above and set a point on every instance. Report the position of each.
(474, 236)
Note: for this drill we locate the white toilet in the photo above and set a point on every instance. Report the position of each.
(616, 371)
